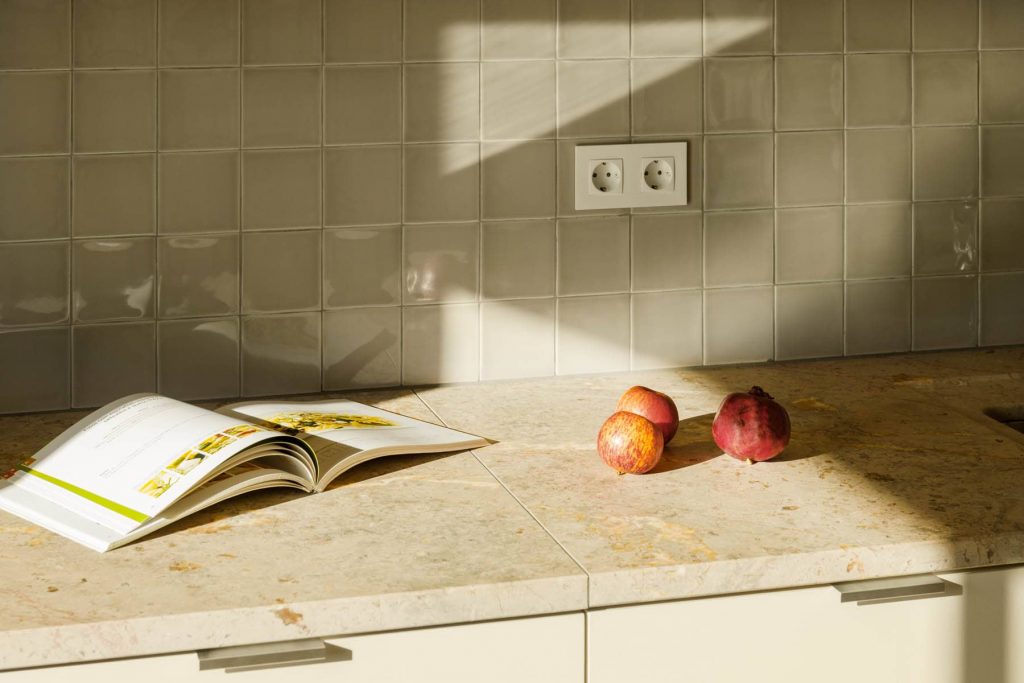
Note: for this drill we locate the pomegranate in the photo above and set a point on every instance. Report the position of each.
(629, 443)
(751, 426)
(655, 406)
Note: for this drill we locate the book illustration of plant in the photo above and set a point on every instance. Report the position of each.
(238, 431)
(157, 485)
(186, 462)
(311, 422)
(214, 443)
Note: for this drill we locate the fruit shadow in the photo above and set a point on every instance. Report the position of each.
(693, 445)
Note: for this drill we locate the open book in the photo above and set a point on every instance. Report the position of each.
(144, 461)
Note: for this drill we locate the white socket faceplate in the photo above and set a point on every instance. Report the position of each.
(633, 160)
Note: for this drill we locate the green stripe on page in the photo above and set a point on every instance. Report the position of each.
(88, 495)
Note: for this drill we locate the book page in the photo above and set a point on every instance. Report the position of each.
(133, 458)
(358, 431)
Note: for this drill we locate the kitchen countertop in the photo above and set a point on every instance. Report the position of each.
(892, 469)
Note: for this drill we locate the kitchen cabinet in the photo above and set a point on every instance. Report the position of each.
(546, 648)
(972, 631)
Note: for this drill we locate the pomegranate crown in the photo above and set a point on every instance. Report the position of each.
(759, 392)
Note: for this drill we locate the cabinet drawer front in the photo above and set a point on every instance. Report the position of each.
(535, 649)
(808, 635)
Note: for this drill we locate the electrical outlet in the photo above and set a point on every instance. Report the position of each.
(622, 176)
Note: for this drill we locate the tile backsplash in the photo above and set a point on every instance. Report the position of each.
(213, 198)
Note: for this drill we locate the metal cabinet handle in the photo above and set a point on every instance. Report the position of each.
(264, 655)
(890, 588)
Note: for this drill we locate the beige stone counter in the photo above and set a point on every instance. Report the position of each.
(892, 470)
(409, 541)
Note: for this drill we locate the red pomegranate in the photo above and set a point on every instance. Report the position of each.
(751, 426)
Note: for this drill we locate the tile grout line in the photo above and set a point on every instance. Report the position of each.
(476, 456)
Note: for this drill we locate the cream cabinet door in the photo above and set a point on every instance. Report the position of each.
(973, 633)
(534, 649)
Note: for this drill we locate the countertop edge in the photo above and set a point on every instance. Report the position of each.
(730, 577)
(183, 633)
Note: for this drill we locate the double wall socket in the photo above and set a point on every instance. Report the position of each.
(618, 176)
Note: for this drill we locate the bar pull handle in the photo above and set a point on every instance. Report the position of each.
(890, 588)
(267, 655)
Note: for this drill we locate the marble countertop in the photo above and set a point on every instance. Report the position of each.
(892, 469)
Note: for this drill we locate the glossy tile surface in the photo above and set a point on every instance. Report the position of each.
(945, 238)
(197, 359)
(37, 116)
(667, 96)
(281, 31)
(281, 189)
(738, 248)
(280, 354)
(878, 165)
(442, 182)
(35, 197)
(667, 329)
(111, 361)
(114, 195)
(34, 280)
(809, 245)
(362, 266)
(945, 88)
(593, 256)
(199, 192)
(809, 168)
(199, 32)
(737, 27)
(809, 26)
(878, 241)
(517, 339)
(593, 334)
(440, 263)
(505, 35)
(362, 30)
(281, 107)
(875, 25)
(809, 321)
(738, 94)
(1002, 234)
(877, 316)
(809, 92)
(354, 197)
(946, 24)
(1001, 319)
(518, 179)
(362, 104)
(518, 259)
(945, 163)
(666, 251)
(199, 108)
(877, 90)
(281, 271)
(440, 344)
(362, 347)
(111, 33)
(197, 276)
(442, 102)
(113, 279)
(738, 325)
(738, 171)
(340, 127)
(945, 312)
(115, 111)
(35, 367)
(35, 34)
